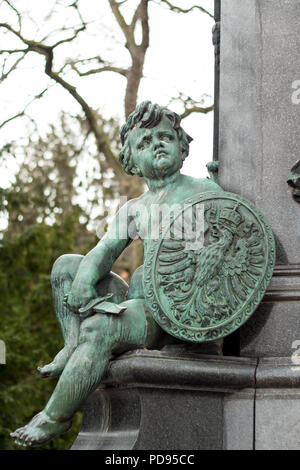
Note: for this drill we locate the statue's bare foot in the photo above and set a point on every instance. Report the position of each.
(49, 370)
(40, 430)
(55, 368)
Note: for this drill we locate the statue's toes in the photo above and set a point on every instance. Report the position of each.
(27, 438)
(45, 371)
(50, 370)
(20, 443)
(29, 441)
(16, 434)
(19, 436)
(22, 434)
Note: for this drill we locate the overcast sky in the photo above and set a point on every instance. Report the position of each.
(180, 59)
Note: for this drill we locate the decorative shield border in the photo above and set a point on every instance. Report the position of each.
(201, 335)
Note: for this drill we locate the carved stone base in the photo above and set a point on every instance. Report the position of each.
(171, 400)
(168, 400)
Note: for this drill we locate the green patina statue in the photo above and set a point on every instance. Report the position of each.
(208, 258)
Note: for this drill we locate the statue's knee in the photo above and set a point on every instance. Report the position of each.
(64, 266)
(93, 330)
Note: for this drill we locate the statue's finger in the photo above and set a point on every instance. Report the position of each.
(73, 308)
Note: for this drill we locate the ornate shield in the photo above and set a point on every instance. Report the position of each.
(209, 267)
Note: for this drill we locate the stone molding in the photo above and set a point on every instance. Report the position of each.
(285, 284)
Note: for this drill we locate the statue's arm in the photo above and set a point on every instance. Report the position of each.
(97, 264)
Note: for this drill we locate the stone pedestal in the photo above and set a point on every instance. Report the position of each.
(166, 400)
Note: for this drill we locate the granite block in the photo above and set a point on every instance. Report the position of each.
(239, 420)
(277, 419)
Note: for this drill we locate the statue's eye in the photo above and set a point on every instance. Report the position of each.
(166, 138)
(144, 144)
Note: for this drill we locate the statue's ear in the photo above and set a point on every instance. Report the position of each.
(184, 154)
(136, 171)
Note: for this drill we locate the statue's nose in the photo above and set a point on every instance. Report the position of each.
(157, 143)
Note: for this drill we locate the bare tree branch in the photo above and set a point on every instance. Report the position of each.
(137, 51)
(4, 75)
(104, 68)
(47, 51)
(75, 5)
(122, 23)
(196, 109)
(100, 136)
(95, 65)
(33, 44)
(71, 38)
(191, 106)
(13, 51)
(57, 30)
(22, 113)
(87, 60)
(58, 43)
(136, 17)
(177, 9)
(12, 30)
(17, 13)
(145, 24)
(84, 140)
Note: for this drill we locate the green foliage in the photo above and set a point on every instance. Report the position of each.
(27, 322)
(43, 223)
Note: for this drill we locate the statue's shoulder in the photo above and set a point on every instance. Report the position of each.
(145, 199)
(200, 185)
(134, 205)
(139, 200)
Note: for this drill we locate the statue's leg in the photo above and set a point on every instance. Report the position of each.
(62, 276)
(100, 336)
(63, 273)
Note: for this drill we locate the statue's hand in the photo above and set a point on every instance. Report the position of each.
(79, 296)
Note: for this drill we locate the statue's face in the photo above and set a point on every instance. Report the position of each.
(156, 152)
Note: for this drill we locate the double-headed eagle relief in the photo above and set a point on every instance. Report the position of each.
(204, 281)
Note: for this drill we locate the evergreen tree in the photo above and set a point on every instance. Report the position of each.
(43, 223)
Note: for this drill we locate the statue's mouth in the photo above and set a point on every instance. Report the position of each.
(160, 154)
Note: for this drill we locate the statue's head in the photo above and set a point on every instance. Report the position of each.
(147, 125)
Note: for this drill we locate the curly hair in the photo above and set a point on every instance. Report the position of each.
(148, 115)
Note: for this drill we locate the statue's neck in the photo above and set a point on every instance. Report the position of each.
(156, 185)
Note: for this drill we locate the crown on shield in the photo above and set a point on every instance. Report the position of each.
(231, 216)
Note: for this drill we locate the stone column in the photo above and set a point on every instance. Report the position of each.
(258, 145)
